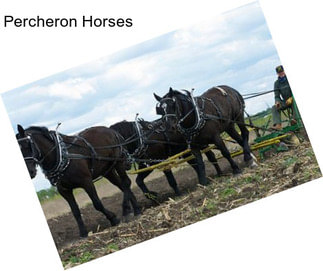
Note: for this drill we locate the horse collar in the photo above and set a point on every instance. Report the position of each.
(190, 133)
(62, 160)
(142, 146)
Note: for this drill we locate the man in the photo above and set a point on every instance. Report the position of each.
(283, 98)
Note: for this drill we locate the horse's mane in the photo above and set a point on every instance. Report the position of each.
(174, 92)
(39, 129)
(180, 95)
(125, 128)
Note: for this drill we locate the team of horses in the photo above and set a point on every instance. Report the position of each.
(70, 162)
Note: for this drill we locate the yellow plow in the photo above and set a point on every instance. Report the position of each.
(177, 159)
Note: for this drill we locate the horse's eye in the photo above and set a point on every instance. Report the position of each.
(164, 106)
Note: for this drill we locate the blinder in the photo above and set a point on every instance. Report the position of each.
(159, 110)
(35, 152)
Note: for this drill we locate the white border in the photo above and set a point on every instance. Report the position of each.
(283, 232)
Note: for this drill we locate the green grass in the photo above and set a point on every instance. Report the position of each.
(85, 257)
(260, 121)
(251, 179)
(112, 247)
(290, 161)
(228, 192)
(310, 153)
(47, 194)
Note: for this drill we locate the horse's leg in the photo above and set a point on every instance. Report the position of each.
(193, 164)
(249, 158)
(120, 178)
(243, 141)
(226, 154)
(67, 194)
(115, 179)
(172, 182)
(120, 168)
(140, 182)
(240, 140)
(91, 191)
(211, 157)
(200, 166)
(245, 138)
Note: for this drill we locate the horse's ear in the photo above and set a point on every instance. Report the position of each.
(21, 130)
(157, 97)
(171, 91)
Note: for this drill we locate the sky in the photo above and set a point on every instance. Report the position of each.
(234, 49)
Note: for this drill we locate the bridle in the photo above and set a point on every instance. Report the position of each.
(161, 108)
(36, 155)
(62, 159)
(189, 133)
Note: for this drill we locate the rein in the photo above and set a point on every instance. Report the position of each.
(63, 157)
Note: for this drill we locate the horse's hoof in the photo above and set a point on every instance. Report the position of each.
(84, 234)
(203, 183)
(137, 212)
(151, 195)
(177, 192)
(237, 172)
(219, 174)
(127, 218)
(115, 221)
(136, 216)
(251, 163)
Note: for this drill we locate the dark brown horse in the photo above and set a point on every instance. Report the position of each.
(155, 143)
(201, 120)
(70, 162)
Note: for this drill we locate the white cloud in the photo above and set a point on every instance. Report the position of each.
(137, 71)
(112, 110)
(74, 88)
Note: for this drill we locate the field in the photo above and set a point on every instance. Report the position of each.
(278, 172)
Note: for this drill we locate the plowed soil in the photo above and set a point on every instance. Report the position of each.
(278, 172)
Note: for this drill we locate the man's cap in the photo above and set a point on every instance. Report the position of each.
(279, 68)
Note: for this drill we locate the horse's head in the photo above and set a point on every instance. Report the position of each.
(172, 107)
(34, 142)
(167, 108)
(28, 149)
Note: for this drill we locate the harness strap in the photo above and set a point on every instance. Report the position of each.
(218, 111)
(92, 150)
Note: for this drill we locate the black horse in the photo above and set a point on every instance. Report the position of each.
(75, 161)
(150, 140)
(201, 120)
